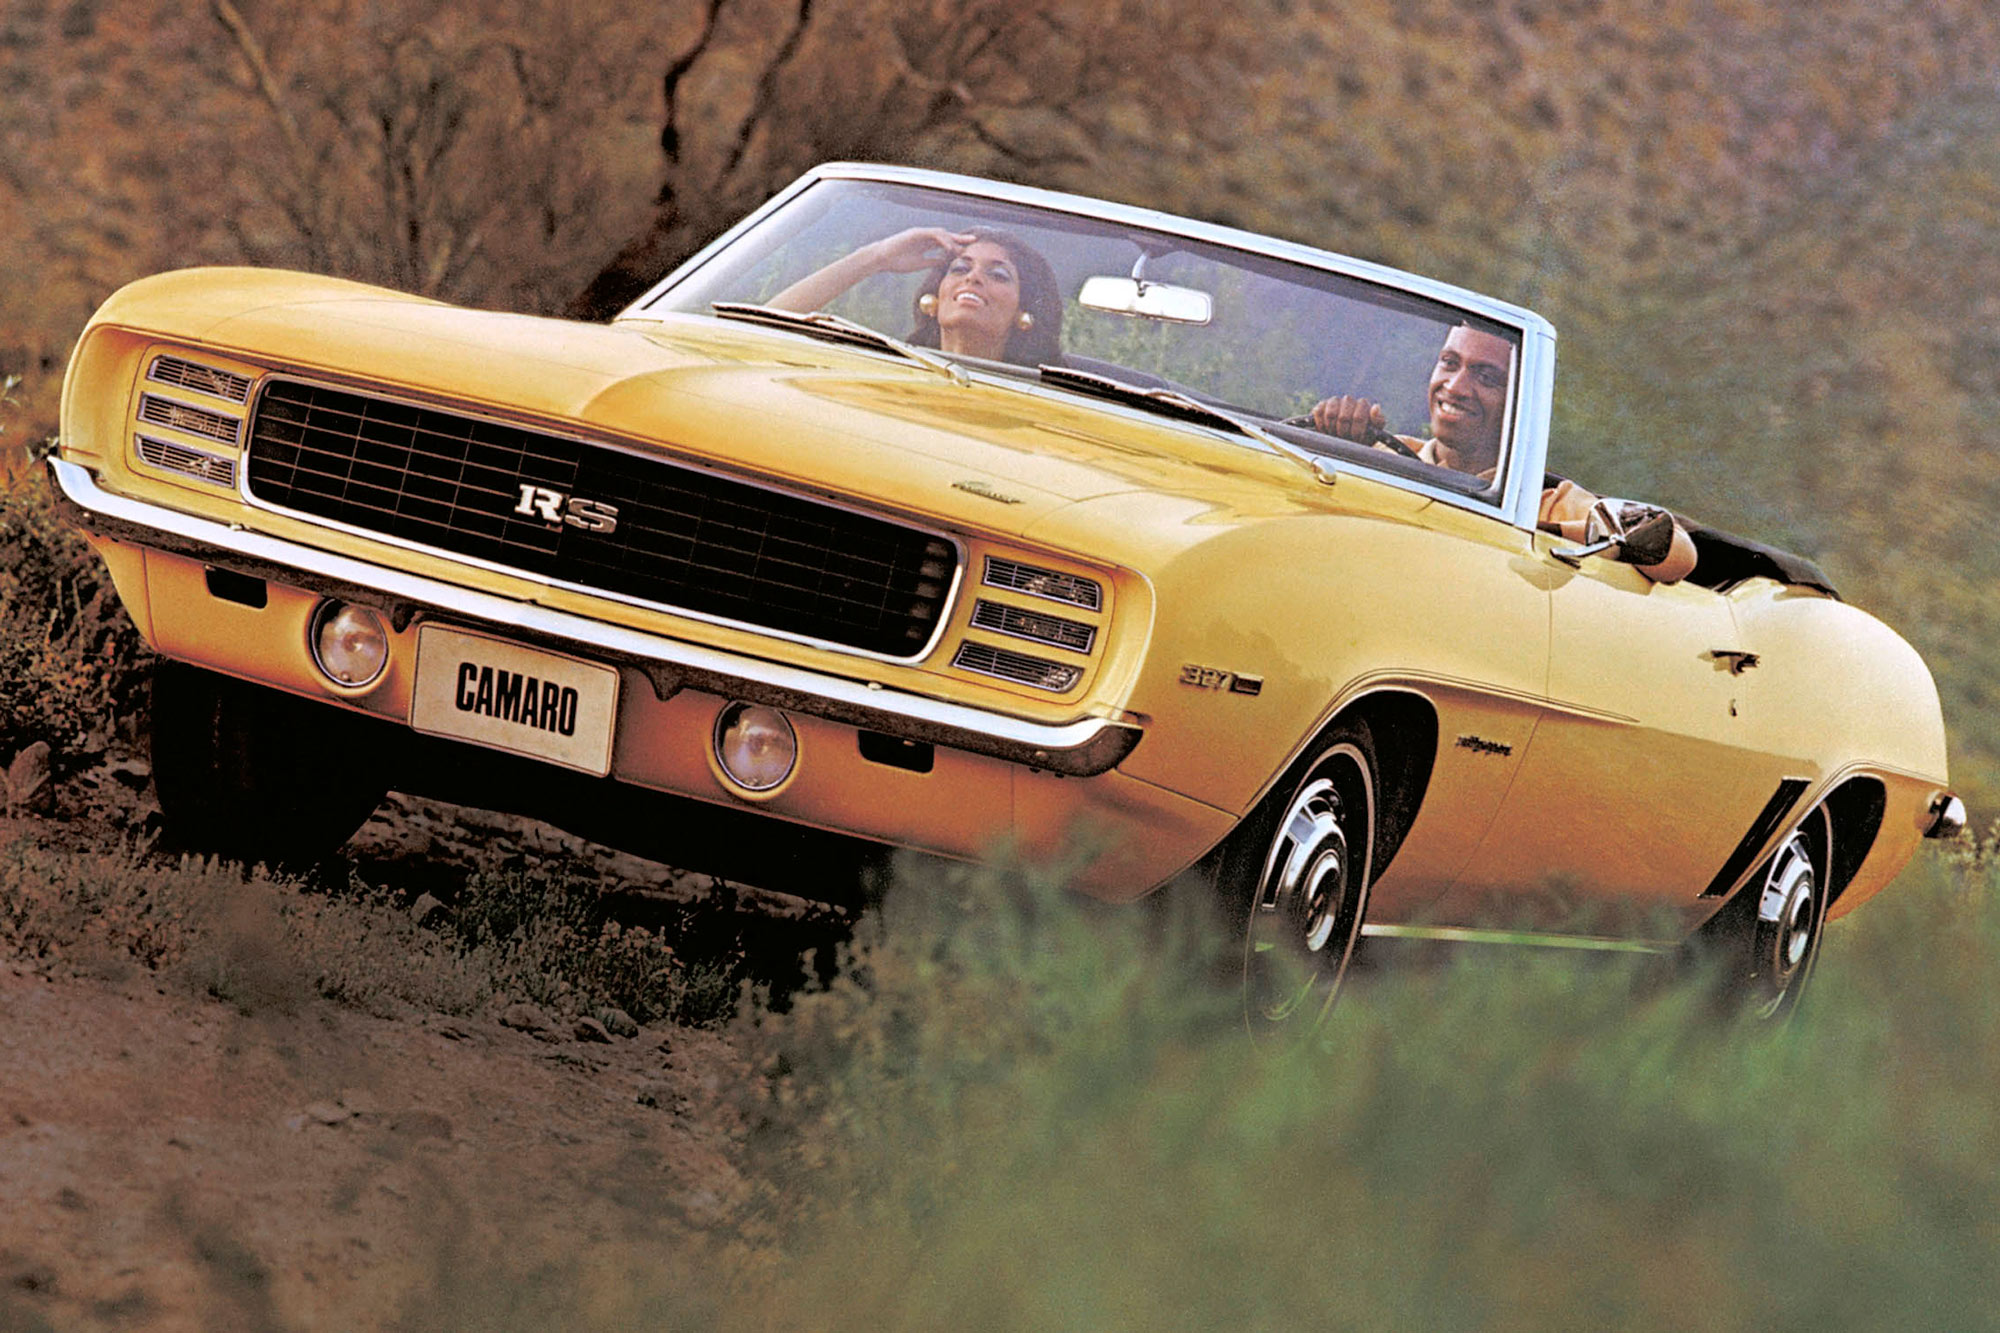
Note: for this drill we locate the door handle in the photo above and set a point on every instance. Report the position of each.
(1739, 661)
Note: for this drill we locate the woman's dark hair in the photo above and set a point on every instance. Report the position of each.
(1040, 297)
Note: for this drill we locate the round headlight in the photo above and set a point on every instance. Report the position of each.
(755, 746)
(349, 643)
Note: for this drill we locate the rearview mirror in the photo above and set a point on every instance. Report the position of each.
(1138, 299)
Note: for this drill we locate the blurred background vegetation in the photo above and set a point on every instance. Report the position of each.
(1765, 230)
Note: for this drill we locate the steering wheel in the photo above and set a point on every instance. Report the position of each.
(1376, 435)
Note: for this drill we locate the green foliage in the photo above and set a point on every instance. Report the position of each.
(1010, 1115)
(69, 658)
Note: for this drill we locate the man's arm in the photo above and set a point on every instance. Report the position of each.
(1566, 510)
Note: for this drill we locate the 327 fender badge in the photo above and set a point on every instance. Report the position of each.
(1214, 678)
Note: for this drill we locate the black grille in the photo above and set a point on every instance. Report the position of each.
(683, 538)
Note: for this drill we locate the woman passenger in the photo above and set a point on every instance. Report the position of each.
(987, 294)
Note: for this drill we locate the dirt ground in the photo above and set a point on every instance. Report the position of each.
(168, 1163)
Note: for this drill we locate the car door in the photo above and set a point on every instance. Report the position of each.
(1639, 778)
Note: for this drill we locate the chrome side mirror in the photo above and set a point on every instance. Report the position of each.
(1642, 533)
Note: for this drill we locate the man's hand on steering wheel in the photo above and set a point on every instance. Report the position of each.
(1354, 418)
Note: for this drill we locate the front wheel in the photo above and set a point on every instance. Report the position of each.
(1296, 877)
(253, 774)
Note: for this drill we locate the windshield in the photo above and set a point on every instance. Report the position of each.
(1327, 362)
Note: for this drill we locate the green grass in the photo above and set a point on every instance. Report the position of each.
(1013, 1114)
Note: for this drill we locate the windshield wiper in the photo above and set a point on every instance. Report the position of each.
(1173, 402)
(820, 324)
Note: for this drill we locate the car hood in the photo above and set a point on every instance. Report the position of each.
(995, 453)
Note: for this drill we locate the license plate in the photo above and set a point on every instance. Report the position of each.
(509, 697)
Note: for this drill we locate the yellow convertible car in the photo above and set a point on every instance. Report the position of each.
(926, 512)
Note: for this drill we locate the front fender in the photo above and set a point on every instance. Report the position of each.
(1265, 625)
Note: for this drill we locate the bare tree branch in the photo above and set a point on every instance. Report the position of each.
(670, 134)
(252, 52)
(767, 88)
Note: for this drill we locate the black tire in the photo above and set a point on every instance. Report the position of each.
(1295, 878)
(252, 774)
(1765, 944)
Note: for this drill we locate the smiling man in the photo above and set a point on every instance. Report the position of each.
(1468, 404)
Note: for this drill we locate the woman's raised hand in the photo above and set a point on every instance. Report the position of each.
(917, 249)
(910, 251)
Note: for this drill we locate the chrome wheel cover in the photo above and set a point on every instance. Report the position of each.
(1311, 894)
(1790, 917)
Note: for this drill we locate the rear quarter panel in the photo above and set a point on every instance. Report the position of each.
(1834, 684)
(1846, 698)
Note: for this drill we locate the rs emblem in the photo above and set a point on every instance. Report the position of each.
(555, 507)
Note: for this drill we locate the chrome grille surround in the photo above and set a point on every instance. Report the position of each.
(1022, 623)
(185, 374)
(188, 461)
(688, 539)
(1022, 669)
(1035, 581)
(175, 415)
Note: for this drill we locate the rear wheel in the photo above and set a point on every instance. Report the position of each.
(249, 773)
(1767, 941)
(1296, 876)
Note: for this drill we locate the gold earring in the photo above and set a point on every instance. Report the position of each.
(1026, 321)
(928, 303)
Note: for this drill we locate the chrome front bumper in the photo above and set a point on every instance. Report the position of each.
(1078, 749)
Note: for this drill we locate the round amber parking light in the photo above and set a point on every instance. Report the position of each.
(349, 644)
(755, 747)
